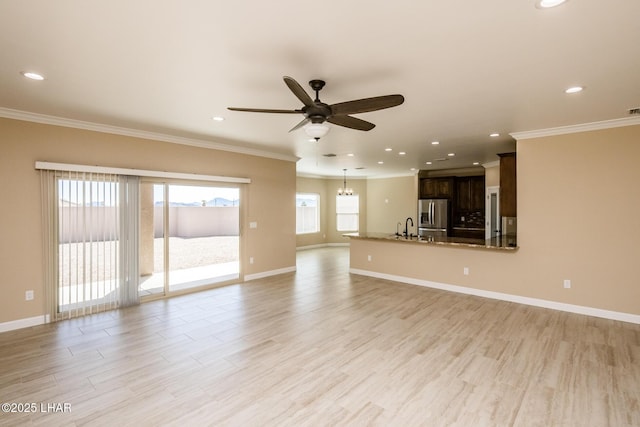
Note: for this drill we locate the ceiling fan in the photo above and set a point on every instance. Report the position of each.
(317, 112)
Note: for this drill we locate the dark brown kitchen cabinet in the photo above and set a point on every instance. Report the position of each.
(477, 193)
(470, 193)
(508, 194)
(463, 197)
(436, 188)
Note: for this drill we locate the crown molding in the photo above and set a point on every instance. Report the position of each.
(388, 176)
(586, 127)
(399, 175)
(155, 136)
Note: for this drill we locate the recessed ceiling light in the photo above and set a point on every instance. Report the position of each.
(218, 118)
(546, 4)
(32, 76)
(428, 163)
(381, 163)
(435, 143)
(476, 163)
(412, 169)
(574, 89)
(388, 149)
(402, 153)
(494, 135)
(350, 155)
(451, 154)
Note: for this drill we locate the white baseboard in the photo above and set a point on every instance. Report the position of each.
(321, 245)
(263, 274)
(571, 308)
(23, 323)
(304, 248)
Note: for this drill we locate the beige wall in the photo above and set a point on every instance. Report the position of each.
(492, 176)
(268, 200)
(390, 201)
(577, 207)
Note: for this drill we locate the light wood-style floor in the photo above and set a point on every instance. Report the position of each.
(322, 347)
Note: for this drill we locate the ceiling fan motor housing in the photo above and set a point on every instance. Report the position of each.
(317, 113)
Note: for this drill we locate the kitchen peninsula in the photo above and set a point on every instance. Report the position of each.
(456, 264)
(498, 243)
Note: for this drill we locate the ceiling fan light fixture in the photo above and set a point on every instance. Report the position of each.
(316, 130)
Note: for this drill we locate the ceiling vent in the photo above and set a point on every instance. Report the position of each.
(330, 155)
(634, 111)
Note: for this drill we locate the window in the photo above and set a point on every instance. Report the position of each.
(347, 210)
(307, 213)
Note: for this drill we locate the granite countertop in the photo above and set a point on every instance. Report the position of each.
(500, 243)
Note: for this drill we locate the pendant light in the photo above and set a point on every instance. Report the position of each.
(344, 190)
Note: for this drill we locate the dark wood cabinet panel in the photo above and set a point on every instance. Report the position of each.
(470, 193)
(477, 192)
(436, 188)
(463, 196)
(508, 185)
(467, 233)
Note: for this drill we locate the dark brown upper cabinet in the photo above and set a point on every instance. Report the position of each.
(436, 188)
(470, 193)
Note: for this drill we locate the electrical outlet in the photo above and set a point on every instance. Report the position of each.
(567, 284)
(251, 260)
(28, 296)
(465, 271)
(368, 257)
(253, 224)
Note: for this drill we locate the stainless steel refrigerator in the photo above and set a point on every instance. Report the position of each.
(433, 217)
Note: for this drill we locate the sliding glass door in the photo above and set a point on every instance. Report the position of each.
(190, 236)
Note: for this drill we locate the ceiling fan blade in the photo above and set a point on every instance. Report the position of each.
(264, 110)
(366, 104)
(299, 125)
(351, 122)
(298, 91)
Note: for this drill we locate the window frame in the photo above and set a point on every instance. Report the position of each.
(348, 211)
(317, 197)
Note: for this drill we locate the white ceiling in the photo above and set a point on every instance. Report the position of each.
(466, 69)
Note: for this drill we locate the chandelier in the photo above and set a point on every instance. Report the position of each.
(344, 190)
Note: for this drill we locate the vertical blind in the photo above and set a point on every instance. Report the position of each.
(91, 223)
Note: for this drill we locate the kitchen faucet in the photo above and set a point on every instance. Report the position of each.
(406, 227)
(399, 224)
